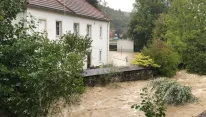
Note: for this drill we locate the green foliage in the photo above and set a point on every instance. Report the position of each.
(185, 22)
(186, 32)
(144, 61)
(8, 12)
(110, 72)
(163, 55)
(160, 92)
(159, 32)
(110, 65)
(172, 92)
(36, 73)
(144, 15)
(182, 27)
(195, 55)
(119, 20)
(151, 105)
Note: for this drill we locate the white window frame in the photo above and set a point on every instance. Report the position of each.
(60, 28)
(89, 30)
(100, 55)
(76, 31)
(100, 32)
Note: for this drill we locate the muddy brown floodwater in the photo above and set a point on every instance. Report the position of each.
(115, 100)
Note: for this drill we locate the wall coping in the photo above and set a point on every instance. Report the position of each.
(102, 71)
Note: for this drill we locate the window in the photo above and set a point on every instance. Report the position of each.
(42, 25)
(58, 28)
(100, 32)
(76, 28)
(100, 55)
(89, 30)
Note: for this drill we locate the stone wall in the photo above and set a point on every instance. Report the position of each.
(121, 76)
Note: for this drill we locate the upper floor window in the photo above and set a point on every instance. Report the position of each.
(76, 28)
(89, 30)
(58, 28)
(100, 32)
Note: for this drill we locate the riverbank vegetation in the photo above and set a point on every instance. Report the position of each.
(172, 33)
(36, 73)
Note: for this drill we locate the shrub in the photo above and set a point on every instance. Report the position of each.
(164, 56)
(110, 65)
(172, 92)
(194, 55)
(36, 73)
(144, 61)
(110, 72)
(160, 92)
(151, 105)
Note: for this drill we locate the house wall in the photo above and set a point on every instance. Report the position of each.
(67, 26)
(125, 45)
(19, 17)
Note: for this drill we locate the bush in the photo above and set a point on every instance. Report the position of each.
(160, 92)
(111, 71)
(110, 65)
(36, 73)
(151, 105)
(194, 55)
(172, 92)
(164, 56)
(144, 61)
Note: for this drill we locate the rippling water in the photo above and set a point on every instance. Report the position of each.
(116, 99)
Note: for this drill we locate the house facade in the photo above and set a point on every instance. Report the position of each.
(57, 17)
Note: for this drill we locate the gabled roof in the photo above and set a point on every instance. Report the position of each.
(75, 7)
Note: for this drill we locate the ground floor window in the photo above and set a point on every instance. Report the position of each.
(100, 56)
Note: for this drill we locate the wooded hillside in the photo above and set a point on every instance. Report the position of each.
(119, 20)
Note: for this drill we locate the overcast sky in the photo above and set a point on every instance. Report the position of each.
(124, 5)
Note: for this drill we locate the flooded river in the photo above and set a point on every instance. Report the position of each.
(115, 100)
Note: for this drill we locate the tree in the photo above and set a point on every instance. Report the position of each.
(179, 21)
(144, 15)
(186, 32)
(36, 73)
(8, 12)
(119, 20)
(182, 30)
(164, 55)
(93, 3)
(159, 32)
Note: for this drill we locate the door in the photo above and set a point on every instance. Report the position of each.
(89, 60)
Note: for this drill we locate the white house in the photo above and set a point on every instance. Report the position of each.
(57, 17)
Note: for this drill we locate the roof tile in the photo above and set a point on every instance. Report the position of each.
(77, 7)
